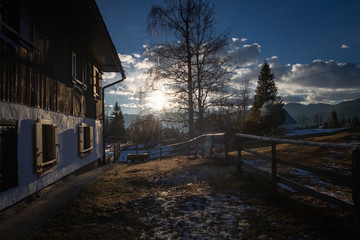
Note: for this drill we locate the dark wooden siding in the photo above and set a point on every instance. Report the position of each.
(41, 77)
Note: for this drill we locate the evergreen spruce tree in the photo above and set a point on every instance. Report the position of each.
(334, 121)
(267, 111)
(266, 89)
(356, 122)
(117, 126)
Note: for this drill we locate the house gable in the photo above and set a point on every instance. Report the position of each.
(42, 43)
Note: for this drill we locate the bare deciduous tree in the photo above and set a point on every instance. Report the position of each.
(191, 64)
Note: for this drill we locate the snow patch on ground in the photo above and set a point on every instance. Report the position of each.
(154, 153)
(299, 132)
(194, 217)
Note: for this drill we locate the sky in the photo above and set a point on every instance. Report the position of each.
(312, 46)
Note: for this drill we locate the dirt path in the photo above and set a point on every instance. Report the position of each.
(29, 215)
(191, 199)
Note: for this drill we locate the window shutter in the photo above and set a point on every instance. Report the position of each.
(99, 86)
(94, 80)
(38, 147)
(56, 142)
(91, 135)
(81, 140)
(73, 66)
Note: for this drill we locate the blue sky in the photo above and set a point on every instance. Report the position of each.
(313, 46)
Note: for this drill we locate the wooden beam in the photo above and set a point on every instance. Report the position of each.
(303, 143)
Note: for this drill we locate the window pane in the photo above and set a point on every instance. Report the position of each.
(73, 70)
(8, 158)
(25, 25)
(48, 143)
(1, 15)
(86, 138)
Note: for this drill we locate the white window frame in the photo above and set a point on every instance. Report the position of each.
(42, 165)
(85, 139)
(97, 82)
(78, 69)
(73, 65)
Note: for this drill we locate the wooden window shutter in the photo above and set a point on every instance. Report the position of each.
(73, 65)
(56, 142)
(91, 135)
(94, 80)
(99, 84)
(38, 145)
(81, 140)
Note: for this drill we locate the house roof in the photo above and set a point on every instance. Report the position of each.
(81, 20)
(289, 119)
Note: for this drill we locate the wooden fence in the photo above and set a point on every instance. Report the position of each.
(117, 147)
(218, 145)
(214, 145)
(353, 180)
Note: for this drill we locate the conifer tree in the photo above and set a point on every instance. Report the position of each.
(267, 111)
(355, 122)
(117, 126)
(334, 121)
(266, 89)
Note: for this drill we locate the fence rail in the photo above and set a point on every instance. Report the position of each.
(353, 180)
(217, 145)
(195, 146)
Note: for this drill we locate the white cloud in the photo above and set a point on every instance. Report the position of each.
(109, 75)
(238, 40)
(317, 81)
(145, 64)
(344, 46)
(134, 98)
(322, 74)
(121, 91)
(244, 56)
(129, 105)
(126, 59)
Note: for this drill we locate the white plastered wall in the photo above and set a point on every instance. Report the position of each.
(68, 159)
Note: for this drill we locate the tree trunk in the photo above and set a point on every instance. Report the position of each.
(190, 86)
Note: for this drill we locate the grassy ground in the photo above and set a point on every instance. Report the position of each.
(176, 199)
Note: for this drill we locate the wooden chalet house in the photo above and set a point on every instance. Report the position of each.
(52, 56)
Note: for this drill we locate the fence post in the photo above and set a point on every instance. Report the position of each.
(226, 143)
(203, 146)
(196, 147)
(115, 151)
(273, 166)
(149, 157)
(119, 151)
(189, 149)
(212, 146)
(239, 163)
(137, 149)
(160, 153)
(356, 181)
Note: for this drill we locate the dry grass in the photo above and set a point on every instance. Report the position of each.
(337, 160)
(111, 207)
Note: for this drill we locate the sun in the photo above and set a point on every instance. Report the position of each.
(159, 100)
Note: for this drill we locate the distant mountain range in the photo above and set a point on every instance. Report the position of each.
(344, 110)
